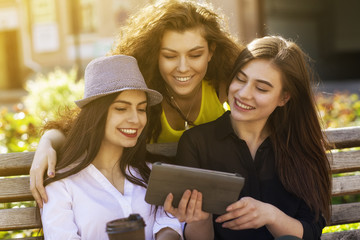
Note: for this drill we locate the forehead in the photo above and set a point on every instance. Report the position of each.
(188, 38)
(263, 69)
(131, 96)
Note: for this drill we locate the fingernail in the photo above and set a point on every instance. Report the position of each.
(218, 220)
(51, 174)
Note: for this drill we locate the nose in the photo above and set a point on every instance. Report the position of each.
(183, 65)
(246, 91)
(133, 116)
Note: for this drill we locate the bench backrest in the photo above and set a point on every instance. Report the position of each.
(16, 188)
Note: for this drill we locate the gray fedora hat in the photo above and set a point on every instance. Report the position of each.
(111, 74)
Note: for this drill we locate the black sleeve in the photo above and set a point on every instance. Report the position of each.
(312, 228)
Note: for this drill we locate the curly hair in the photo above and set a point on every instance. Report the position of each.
(141, 38)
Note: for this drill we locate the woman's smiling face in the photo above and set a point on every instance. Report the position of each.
(256, 91)
(183, 60)
(126, 119)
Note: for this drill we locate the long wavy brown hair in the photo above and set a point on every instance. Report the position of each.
(85, 137)
(142, 36)
(295, 130)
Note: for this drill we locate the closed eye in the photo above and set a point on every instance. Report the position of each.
(196, 56)
(169, 57)
(240, 78)
(261, 89)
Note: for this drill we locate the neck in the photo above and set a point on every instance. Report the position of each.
(184, 97)
(253, 133)
(108, 157)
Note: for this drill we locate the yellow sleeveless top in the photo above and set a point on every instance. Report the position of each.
(211, 108)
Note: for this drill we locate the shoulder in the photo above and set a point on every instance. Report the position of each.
(210, 127)
(68, 181)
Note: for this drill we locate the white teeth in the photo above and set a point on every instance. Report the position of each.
(183, 79)
(243, 106)
(128, 131)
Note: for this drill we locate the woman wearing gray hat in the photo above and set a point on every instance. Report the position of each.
(101, 173)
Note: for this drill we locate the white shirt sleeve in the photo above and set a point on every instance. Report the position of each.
(164, 220)
(57, 215)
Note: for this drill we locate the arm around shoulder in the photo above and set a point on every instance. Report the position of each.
(44, 159)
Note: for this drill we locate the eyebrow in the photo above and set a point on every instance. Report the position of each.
(193, 49)
(129, 103)
(258, 80)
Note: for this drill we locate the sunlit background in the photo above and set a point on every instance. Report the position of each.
(45, 45)
(39, 35)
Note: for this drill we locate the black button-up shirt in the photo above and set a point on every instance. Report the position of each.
(215, 146)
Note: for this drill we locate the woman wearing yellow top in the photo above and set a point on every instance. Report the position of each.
(211, 108)
(185, 54)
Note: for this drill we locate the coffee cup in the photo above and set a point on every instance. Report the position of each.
(130, 228)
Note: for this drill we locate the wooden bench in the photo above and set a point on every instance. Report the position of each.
(16, 189)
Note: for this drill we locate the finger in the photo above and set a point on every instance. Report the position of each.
(198, 205)
(51, 163)
(39, 185)
(192, 202)
(236, 205)
(184, 201)
(199, 213)
(168, 204)
(240, 224)
(34, 191)
(236, 213)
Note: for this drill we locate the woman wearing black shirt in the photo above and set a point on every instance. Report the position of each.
(272, 137)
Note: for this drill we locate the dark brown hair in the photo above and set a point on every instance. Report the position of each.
(298, 141)
(142, 36)
(85, 137)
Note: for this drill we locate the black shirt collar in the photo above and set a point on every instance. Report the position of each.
(223, 126)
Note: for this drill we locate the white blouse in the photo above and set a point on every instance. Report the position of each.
(79, 207)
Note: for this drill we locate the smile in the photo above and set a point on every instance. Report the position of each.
(183, 79)
(242, 105)
(128, 132)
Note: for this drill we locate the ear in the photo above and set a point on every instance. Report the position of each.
(284, 99)
(212, 48)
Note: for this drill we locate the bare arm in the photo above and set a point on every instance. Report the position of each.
(167, 234)
(44, 159)
(200, 230)
(249, 213)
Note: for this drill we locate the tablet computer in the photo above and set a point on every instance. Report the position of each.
(219, 189)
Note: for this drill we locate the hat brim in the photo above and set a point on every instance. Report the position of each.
(154, 97)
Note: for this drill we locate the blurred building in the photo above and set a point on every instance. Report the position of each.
(38, 35)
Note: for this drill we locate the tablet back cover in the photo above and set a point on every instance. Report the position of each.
(219, 189)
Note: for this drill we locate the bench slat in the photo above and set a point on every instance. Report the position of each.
(350, 234)
(19, 218)
(344, 137)
(15, 163)
(15, 189)
(346, 185)
(347, 161)
(345, 213)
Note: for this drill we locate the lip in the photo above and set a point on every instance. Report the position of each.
(129, 132)
(242, 106)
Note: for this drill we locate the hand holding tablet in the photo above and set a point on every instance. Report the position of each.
(219, 189)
